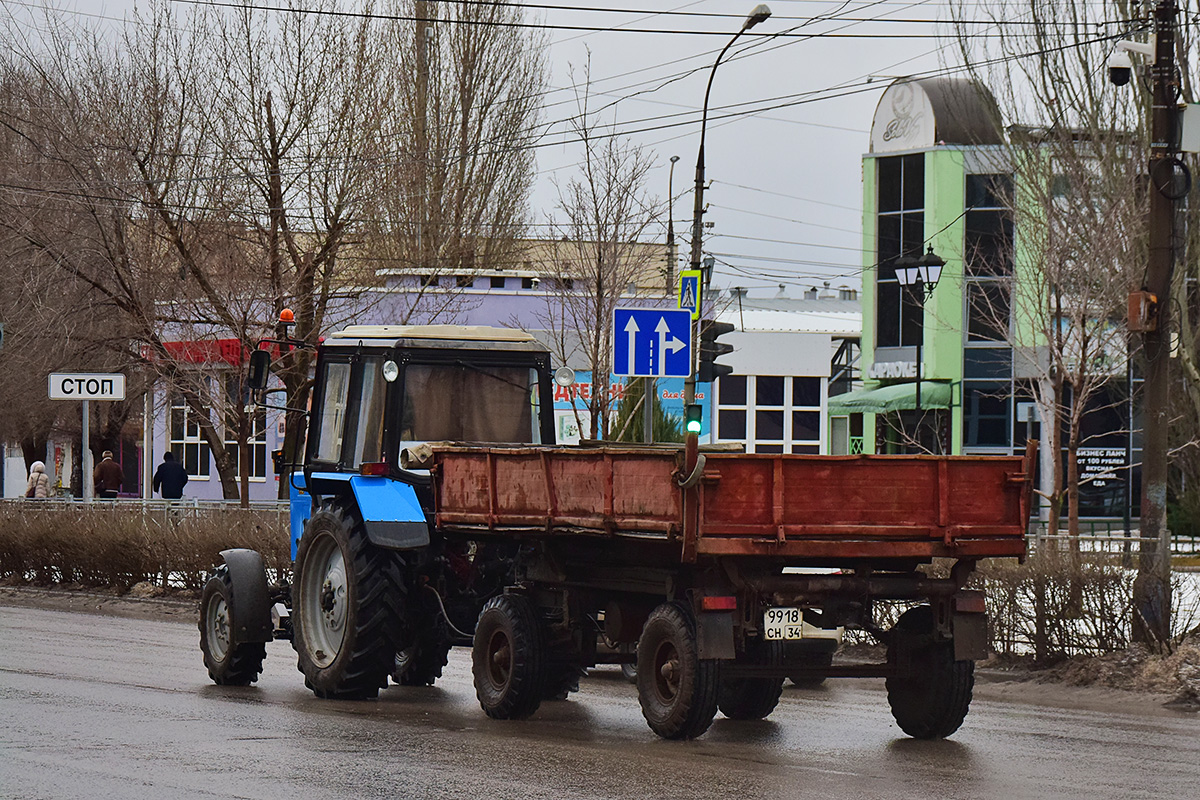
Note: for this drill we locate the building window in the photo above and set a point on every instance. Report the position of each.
(989, 310)
(497, 282)
(235, 399)
(464, 281)
(770, 413)
(900, 230)
(987, 414)
(187, 443)
(429, 281)
(988, 243)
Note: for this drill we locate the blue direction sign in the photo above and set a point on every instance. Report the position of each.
(652, 342)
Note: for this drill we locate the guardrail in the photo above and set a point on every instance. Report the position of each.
(1113, 542)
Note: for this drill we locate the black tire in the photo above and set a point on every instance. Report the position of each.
(228, 663)
(420, 663)
(629, 671)
(930, 699)
(753, 698)
(676, 688)
(815, 660)
(508, 658)
(348, 608)
(560, 681)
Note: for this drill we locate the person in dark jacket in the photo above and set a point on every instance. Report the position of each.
(108, 476)
(170, 477)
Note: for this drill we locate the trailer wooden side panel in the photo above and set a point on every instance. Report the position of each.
(792, 506)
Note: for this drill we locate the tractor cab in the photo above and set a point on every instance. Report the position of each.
(382, 390)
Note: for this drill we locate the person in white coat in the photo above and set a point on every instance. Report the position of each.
(39, 482)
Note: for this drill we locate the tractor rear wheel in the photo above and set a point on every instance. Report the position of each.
(753, 698)
(349, 608)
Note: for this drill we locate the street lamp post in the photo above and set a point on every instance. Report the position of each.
(671, 226)
(760, 14)
(921, 277)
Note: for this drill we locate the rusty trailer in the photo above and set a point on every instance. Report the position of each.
(808, 509)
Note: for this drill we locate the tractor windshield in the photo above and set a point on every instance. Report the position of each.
(470, 403)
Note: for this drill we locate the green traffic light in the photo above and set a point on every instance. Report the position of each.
(691, 415)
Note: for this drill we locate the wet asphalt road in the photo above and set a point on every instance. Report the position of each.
(104, 707)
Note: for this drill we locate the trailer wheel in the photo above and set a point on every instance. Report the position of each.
(508, 658)
(753, 698)
(677, 689)
(930, 699)
(229, 663)
(816, 661)
(348, 610)
(560, 681)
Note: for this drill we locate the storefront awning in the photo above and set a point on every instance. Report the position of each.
(897, 397)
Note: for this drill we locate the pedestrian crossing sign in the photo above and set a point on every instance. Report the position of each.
(689, 291)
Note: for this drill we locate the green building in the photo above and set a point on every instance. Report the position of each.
(937, 176)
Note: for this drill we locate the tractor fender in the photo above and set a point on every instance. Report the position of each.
(390, 510)
(250, 603)
(391, 513)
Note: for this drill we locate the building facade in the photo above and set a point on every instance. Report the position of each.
(951, 368)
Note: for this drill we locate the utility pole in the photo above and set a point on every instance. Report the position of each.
(1152, 588)
(423, 31)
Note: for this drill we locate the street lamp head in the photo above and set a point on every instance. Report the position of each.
(931, 264)
(674, 159)
(926, 270)
(761, 13)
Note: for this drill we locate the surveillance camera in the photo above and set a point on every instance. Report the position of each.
(1120, 68)
(535, 281)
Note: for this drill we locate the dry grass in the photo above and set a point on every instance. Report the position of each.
(119, 545)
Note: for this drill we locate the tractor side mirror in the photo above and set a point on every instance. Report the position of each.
(260, 370)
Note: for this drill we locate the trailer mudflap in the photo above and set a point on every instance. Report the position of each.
(714, 635)
(970, 626)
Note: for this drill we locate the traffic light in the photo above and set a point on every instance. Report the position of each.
(692, 414)
(711, 350)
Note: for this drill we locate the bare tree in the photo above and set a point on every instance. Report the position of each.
(453, 196)
(221, 165)
(598, 255)
(1075, 158)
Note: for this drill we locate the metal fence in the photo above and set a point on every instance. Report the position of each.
(1107, 539)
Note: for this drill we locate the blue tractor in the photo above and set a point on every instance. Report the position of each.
(377, 591)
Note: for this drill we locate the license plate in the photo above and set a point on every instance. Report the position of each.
(783, 623)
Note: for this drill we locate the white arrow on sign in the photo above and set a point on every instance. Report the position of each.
(673, 344)
(632, 329)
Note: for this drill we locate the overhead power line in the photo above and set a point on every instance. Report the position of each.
(559, 27)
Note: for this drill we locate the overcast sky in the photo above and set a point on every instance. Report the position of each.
(785, 196)
(786, 193)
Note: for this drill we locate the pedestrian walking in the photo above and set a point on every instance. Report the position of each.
(108, 476)
(171, 477)
(39, 482)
